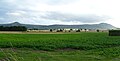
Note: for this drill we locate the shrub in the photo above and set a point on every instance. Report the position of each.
(51, 30)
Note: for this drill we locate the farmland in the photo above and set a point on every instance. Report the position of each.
(84, 46)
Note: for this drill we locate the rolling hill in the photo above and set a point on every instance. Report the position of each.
(45, 27)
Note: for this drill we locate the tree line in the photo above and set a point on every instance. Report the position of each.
(71, 30)
(62, 30)
(13, 28)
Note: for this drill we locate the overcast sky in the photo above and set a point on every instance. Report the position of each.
(47, 12)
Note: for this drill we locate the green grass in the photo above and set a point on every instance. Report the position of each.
(107, 54)
(81, 41)
(84, 46)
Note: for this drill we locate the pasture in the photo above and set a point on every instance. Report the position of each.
(83, 46)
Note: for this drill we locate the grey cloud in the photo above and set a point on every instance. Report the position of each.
(88, 18)
(16, 4)
(23, 16)
(58, 2)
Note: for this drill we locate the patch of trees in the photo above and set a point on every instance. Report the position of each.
(114, 32)
(78, 30)
(60, 30)
(34, 29)
(13, 28)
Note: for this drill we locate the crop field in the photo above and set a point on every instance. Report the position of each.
(84, 46)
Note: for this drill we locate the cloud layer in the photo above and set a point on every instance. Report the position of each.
(47, 12)
(86, 18)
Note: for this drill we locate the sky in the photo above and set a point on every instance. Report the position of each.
(69, 12)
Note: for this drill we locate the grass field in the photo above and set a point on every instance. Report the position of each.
(84, 46)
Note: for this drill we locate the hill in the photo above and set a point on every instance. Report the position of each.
(84, 26)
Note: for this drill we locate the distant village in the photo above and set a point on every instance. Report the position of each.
(68, 30)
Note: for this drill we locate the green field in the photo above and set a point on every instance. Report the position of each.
(84, 46)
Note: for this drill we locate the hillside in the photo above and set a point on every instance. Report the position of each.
(85, 26)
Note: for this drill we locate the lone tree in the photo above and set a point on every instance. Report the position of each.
(85, 30)
(71, 29)
(51, 30)
(98, 30)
